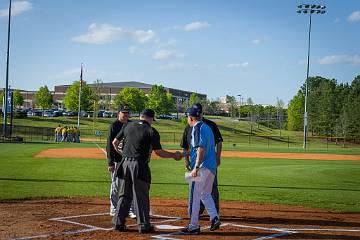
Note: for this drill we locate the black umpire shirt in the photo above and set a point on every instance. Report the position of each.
(112, 155)
(186, 138)
(139, 140)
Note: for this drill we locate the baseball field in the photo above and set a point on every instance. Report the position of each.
(60, 191)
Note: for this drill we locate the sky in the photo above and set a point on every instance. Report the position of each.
(253, 48)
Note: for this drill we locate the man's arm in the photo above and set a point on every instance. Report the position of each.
(166, 154)
(109, 150)
(218, 153)
(199, 158)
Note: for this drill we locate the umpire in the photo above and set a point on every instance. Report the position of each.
(185, 144)
(134, 172)
(113, 156)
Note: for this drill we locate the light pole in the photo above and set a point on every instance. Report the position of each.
(308, 9)
(6, 92)
(239, 105)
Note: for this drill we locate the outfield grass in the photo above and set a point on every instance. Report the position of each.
(331, 185)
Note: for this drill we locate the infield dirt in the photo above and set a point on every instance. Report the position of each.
(28, 218)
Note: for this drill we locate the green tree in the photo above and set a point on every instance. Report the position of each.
(18, 99)
(133, 97)
(194, 98)
(71, 98)
(43, 98)
(352, 109)
(296, 112)
(232, 106)
(1, 98)
(158, 100)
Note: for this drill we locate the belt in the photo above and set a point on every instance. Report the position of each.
(130, 159)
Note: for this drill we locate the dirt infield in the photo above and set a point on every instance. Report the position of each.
(87, 218)
(100, 154)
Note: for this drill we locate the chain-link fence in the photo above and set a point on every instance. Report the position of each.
(43, 134)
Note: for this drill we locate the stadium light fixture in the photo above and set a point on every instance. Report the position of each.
(308, 9)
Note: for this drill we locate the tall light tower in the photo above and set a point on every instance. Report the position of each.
(6, 92)
(308, 9)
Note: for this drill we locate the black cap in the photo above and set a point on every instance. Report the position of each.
(198, 106)
(193, 111)
(148, 113)
(124, 109)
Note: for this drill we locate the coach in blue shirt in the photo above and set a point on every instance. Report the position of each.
(203, 165)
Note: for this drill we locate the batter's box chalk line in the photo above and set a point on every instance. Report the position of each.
(279, 232)
(91, 228)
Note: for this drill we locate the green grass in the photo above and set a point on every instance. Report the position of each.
(331, 185)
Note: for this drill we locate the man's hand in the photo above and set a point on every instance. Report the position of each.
(194, 172)
(111, 168)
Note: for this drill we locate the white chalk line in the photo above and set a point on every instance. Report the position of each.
(171, 236)
(103, 150)
(89, 228)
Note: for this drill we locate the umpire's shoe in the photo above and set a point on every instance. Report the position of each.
(120, 228)
(189, 231)
(215, 224)
(146, 229)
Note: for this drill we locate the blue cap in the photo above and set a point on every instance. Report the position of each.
(193, 111)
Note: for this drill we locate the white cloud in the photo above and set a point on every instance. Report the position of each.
(354, 17)
(256, 41)
(193, 26)
(142, 36)
(196, 26)
(106, 33)
(340, 59)
(163, 54)
(17, 8)
(237, 65)
(100, 34)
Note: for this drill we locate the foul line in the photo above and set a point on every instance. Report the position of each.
(103, 150)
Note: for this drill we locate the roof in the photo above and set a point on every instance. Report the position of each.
(121, 84)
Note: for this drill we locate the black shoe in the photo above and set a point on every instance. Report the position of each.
(215, 224)
(120, 228)
(187, 231)
(148, 229)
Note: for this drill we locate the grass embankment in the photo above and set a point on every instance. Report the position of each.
(234, 132)
(325, 184)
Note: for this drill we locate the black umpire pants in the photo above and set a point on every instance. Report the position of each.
(132, 188)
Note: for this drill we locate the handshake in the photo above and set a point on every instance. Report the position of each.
(179, 155)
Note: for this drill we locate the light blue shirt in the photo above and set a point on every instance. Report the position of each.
(202, 136)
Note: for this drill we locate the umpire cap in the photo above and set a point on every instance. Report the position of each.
(148, 113)
(124, 109)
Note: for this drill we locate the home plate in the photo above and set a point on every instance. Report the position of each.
(168, 227)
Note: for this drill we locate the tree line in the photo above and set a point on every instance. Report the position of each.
(333, 108)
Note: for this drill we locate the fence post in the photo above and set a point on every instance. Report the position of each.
(268, 138)
(327, 143)
(174, 137)
(249, 140)
(288, 142)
